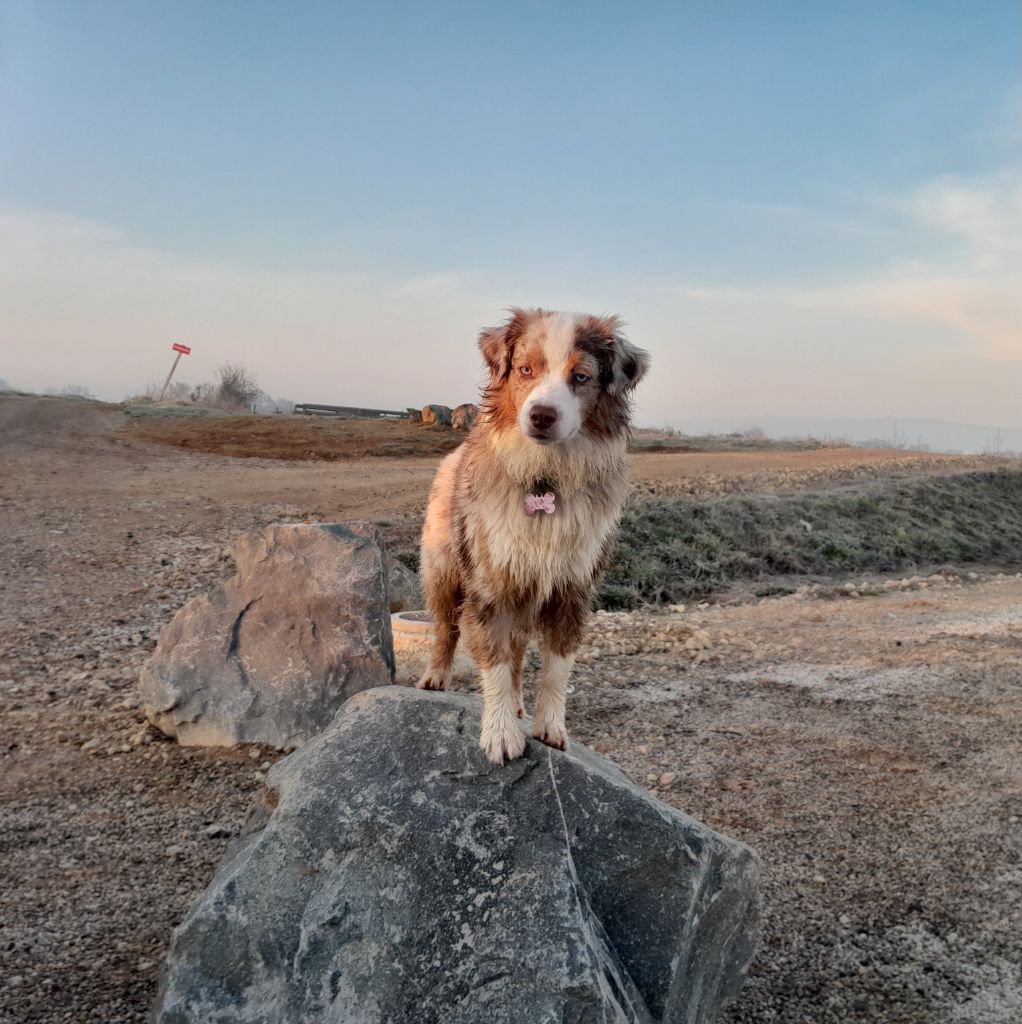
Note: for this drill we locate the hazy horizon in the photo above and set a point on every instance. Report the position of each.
(799, 212)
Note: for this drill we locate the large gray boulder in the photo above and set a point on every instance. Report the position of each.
(269, 656)
(394, 875)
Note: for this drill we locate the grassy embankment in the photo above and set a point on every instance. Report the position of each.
(672, 549)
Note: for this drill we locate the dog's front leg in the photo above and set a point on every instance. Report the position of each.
(548, 721)
(489, 639)
(562, 621)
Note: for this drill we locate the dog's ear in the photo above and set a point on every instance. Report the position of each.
(628, 362)
(497, 344)
(630, 365)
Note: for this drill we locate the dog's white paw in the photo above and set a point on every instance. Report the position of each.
(552, 735)
(501, 744)
(434, 679)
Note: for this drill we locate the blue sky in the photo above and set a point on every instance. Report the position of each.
(797, 207)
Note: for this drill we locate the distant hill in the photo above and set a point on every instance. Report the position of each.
(937, 435)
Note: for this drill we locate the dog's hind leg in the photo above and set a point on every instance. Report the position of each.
(562, 621)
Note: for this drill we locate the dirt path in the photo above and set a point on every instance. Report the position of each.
(52, 445)
(866, 745)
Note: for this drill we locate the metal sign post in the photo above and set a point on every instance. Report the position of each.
(181, 350)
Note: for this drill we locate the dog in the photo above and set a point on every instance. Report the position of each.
(522, 517)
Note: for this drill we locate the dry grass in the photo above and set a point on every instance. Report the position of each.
(670, 549)
(298, 438)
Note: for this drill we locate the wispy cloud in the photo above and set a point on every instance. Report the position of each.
(972, 292)
(985, 214)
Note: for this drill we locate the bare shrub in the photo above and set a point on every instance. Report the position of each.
(236, 386)
(70, 391)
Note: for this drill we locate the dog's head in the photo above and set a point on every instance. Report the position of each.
(554, 375)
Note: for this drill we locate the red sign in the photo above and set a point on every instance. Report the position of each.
(183, 349)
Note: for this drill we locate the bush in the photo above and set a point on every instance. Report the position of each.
(236, 386)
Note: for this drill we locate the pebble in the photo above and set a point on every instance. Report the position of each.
(215, 831)
(667, 779)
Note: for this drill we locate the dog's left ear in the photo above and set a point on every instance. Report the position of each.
(629, 363)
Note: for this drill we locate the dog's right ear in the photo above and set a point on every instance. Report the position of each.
(497, 344)
(496, 351)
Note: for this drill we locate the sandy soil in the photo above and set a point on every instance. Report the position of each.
(864, 741)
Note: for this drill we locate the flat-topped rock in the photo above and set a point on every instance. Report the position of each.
(394, 875)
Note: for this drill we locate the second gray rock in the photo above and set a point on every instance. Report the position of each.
(269, 656)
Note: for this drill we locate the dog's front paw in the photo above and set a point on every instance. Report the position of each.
(501, 744)
(433, 679)
(555, 736)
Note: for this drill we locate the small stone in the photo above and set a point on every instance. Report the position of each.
(644, 748)
(172, 852)
(730, 785)
(667, 779)
(90, 745)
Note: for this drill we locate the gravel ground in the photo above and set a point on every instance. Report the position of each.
(862, 736)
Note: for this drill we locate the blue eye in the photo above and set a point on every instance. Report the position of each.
(525, 371)
(582, 378)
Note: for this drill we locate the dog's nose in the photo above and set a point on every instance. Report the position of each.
(543, 416)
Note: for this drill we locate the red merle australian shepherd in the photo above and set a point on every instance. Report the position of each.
(522, 516)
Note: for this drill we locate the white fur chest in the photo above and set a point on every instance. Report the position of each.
(535, 552)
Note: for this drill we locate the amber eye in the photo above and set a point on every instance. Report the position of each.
(582, 378)
(525, 371)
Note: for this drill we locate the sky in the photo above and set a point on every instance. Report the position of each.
(798, 208)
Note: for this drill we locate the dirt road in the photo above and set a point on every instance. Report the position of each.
(864, 742)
